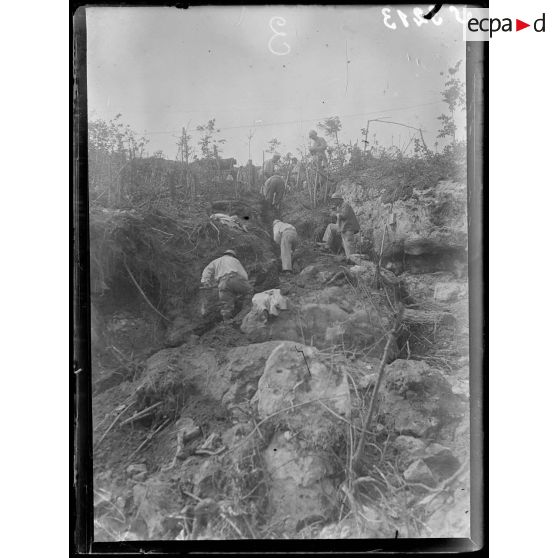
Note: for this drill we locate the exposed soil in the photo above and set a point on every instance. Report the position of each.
(161, 496)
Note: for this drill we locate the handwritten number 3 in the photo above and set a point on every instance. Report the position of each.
(280, 21)
(386, 12)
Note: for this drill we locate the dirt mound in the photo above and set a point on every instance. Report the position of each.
(165, 254)
(146, 268)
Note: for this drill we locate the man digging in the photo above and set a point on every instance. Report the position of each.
(232, 282)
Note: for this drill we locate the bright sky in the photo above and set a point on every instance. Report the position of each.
(164, 68)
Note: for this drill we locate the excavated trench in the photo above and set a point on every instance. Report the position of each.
(203, 430)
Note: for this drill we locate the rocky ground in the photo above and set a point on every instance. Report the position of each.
(250, 429)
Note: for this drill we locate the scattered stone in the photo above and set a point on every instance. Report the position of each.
(186, 431)
(449, 292)
(411, 420)
(441, 461)
(308, 273)
(416, 376)
(140, 477)
(185, 425)
(136, 468)
(459, 386)
(419, 472)
(338, 531)
(408, 448)
(324, 276)
(207, 478)
(363, 374)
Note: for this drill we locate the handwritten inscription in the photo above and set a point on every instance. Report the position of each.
(390, 16)
(281, 21)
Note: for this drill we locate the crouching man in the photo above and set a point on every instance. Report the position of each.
(285, 235)
(232, 282)
(346, 225)
(274, 190)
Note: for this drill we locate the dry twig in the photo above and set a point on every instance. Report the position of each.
(142, 293)
(375, 394)
(113, 423)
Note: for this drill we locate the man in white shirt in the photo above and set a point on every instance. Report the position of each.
(285, 235)
(231, 279)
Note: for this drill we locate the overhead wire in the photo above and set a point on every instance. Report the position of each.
(369, 113)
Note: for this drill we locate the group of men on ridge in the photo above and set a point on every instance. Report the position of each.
(274, 185)
(229, 275)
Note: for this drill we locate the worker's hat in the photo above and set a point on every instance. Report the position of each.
(312, 133)
(230, 253)
(336, 196)
(275, 221)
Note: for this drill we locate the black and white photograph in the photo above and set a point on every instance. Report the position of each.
(279, 251)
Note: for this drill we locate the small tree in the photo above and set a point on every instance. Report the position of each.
(331, 127)
(209, 143)
(454, 96)
(273, 145)
(183, 155)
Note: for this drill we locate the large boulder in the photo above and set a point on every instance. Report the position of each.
(429, 221)
(321, 325)
(244, 367)
(304, 400)
(300, 488)
(418, 400)
(295, 375)
(173, 375)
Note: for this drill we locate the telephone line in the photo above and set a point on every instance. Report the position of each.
(305, 120)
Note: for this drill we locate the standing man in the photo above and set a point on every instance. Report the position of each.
(274, 190)
(232, 282)
(285, 235)
(346, 225)
(318, 149)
